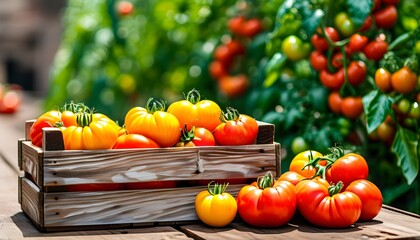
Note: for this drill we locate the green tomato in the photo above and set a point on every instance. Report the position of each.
(415, 111)
(417, 47)
(344, 24)
(299, 145)
(404, 106)
(344, 126)
(294, 48)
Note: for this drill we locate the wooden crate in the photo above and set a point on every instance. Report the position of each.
(85, 189)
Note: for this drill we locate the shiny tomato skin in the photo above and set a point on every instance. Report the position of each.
(375, 49)
(242, 131)
(332, 81)
(367, 24)
(134, 141)
(235, 24)
(203, 137)
(383, 80)
(216, 210)
(251, 28)
(319, 208)
(318, 60)
(357, 42)
(269, 207)
(371, 198)
(352, 107)
(160, 126)
(335, 101)
(347, 169)
(404, 80)
(47, 119)
(386, 17)
(292, 177)
(357, 72)
(301, 159)
(320, 43)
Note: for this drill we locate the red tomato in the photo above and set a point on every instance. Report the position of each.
(251, 28)
(235, 24)
(320, 43)
(356, 72)
(386, 17)
(299, 162)
(347, 169)
(352, 107)
(318, 60)
(223, 54)
(236, 129)
(48, 119)
(234, 86)
(371, 198)
(10, 101)
(134, 141)
(404, 80)
(332, 81)
(383, 80)
(217, 70)
(375, 50)
(203, 137)
(292, 177)
(386, 132)
(367, 24)
(266, 203)
(236, 47)
(324, 205)
(337, 60)
(125, 8)
(357, 42)
(334, 102)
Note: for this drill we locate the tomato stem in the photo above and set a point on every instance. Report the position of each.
(265, 181)
(231, 114)
(154, 105)
(193, 96)
(217, 188)
(83, 119)
(187, 136)
(334, 189)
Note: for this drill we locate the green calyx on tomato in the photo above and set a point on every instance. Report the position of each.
(335, 188)
(265, 181)
(154, 105)
(216, 188)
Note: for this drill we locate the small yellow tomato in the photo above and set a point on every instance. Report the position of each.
(215, 207)
(299, 162)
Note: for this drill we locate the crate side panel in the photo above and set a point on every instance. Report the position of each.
(249, 161)
(120, 207)
(79, 167)
(31, 162)
(32, 200)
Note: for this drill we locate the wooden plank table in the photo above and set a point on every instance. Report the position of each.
(391, 223)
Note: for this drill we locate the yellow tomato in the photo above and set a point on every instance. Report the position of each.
(196, 112)
(301, 159)
(153, 122)
(215, 207)
(92, 132)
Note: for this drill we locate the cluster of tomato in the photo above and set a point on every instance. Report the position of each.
(329, 191)
(337, 55)
(186, 123)
(10, 98)
(226, 56)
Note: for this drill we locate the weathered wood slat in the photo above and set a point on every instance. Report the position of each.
(111, 207)
(389, 224)
(32, 162)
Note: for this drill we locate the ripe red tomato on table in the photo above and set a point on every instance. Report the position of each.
(47, 119)
(292, 177)
(371, 198)
(236, 129)
(326, 206)
(267, 203)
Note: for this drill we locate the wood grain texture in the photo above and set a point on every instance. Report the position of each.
(389, 224)
(32, 202)
(112, 207)
(32, 162)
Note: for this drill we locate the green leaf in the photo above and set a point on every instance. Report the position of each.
(405, 146)
(376, 107)
(359, 10)
(312, 21)
(276, 62)
(285, 7)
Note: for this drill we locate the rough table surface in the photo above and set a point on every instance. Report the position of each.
(389, 224)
